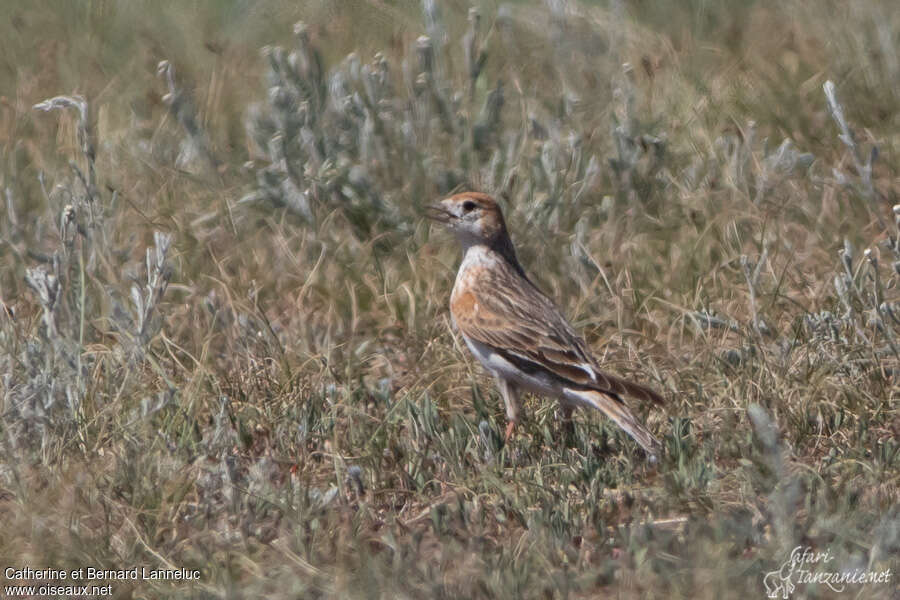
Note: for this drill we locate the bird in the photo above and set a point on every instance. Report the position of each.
(518, 333)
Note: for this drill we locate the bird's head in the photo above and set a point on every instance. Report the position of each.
(474, 218)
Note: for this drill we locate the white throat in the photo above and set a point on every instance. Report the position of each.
(478, 254)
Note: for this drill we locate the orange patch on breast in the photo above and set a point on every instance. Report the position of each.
(464, 304)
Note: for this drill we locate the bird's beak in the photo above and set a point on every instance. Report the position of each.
(438, 213)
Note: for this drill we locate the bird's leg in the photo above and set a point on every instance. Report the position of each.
(510, 395)
(510, 427)
(567, 425)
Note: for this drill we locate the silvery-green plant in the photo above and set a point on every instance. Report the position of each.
(862, 184)
(145, 298)
(182, 108)
(85, 137)
(52, 375)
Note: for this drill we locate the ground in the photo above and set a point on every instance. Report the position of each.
(225, 339)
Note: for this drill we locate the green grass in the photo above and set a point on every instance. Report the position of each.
(233, 351)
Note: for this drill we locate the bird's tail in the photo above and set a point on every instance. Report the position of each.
(615, 409)
(623, 387)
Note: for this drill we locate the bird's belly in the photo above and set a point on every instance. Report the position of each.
(500, 367)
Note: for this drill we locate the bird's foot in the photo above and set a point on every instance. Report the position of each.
(510, 427)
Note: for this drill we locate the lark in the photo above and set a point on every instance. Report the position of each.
(518, 333)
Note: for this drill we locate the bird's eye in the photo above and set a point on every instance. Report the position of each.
(468, 206)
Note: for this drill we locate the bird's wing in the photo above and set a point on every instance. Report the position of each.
(507, 312)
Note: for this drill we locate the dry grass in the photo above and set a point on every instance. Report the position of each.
(225, 342)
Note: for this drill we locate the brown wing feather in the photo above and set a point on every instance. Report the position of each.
(543, 338)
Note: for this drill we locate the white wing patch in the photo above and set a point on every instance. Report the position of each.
(588, 369)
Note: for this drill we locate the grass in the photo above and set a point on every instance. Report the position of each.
(225, 342)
